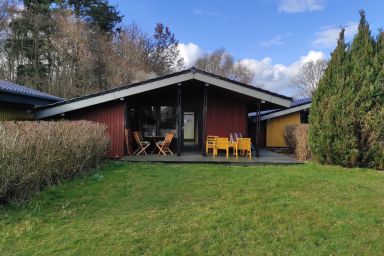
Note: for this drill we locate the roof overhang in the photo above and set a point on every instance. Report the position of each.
(284, 102)
(23, 99)
(153, 84)
(285, 112)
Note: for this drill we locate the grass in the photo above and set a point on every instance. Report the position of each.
(159, 209)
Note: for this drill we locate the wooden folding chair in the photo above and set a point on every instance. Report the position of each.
(245, 146)
(233, 136)
(142, 145)
(221, 144)
(127, 138)
(163, 146)
(210, 144)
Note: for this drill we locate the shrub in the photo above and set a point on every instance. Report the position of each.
(39, 154)
(301, 137)
(289, 136)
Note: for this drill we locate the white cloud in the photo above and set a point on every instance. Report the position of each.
(273, 76)
(277, 40)
(205, 12)
(277, 77)
(190, 53)
(293, 6)
(328, 35)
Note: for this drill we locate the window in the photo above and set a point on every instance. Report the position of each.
(167, 120)
(148, 121)
(304, 116)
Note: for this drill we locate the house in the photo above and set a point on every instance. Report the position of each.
(17, 101)
(273, 122)
(192, 102)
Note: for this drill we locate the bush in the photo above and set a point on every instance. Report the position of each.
(39, 154)
(296, 137)
(289, 136)
(301, 137)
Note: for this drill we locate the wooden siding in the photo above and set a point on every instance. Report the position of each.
(9, 112)
(275, 129)
(226, 115)
(110, 114)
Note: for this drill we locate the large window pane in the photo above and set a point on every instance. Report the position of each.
(148, 121)
(167, 120)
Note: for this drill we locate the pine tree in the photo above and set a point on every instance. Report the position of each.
(30, 44)
(322, 118)
(347, 113)
(373, 120)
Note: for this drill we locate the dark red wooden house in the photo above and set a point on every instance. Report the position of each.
(192, 102)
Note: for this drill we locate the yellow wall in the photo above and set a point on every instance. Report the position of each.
(8, 113)
(275, 129)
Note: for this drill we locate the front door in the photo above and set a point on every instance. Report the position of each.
(189, 129)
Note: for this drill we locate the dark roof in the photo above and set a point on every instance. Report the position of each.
(9, 87)
(193, 70)
(301, 101)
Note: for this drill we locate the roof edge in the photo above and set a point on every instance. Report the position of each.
(283, 112)
(154, 83)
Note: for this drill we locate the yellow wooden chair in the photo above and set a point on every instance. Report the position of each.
(244, 145)
(210, 144)
(221, 144)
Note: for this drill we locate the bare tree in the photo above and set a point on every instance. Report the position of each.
(128, 58)
(73, 62)
(55, 50)
(308, 77)
(223, 64)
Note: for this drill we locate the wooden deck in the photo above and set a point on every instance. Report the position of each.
(266, 157)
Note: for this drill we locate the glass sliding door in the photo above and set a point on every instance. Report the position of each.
(167, 120)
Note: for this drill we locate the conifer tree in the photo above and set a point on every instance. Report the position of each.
(322, 119)
(373, 120)
(347, 113)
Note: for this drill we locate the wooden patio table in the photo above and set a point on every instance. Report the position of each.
(154, 139)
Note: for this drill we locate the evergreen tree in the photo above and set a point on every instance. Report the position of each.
(322, 115)
(97, 13)
(347, 113)
(30, 44)
(373, 120)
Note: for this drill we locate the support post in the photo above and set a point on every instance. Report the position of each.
(179, 121)
(127, 150)
(157, 115)
(257, 149)
(205, 109)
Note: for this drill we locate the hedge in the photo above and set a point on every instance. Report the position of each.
(34, 155)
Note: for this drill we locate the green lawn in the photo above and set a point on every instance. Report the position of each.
(157, 209)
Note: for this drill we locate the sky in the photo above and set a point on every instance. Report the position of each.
(271, 37)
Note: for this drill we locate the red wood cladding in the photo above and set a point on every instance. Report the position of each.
(225, 115)
(110, 114)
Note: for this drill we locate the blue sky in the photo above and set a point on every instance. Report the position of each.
(272, 37)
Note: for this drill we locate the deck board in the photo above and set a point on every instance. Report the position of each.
(266, 157)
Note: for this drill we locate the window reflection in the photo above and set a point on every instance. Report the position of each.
(148, 121)
(157, 121)
(167, 119)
